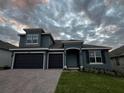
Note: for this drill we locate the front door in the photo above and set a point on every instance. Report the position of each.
(72, 58)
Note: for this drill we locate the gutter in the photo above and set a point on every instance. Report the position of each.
(94, 48)
(51, 49)
(29, 49)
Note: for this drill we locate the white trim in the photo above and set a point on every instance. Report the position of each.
(72, 48)
(32, 43)
(65, 65)
(30, 49)
(47, 59)
(28, 52)
(94, 48)
(96, 63)
(44, 60)
(54, 53)
(81, 60)
(32, 37)
(13, 60)
(63, 60)
(56, 49)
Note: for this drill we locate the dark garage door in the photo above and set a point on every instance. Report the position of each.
(28, 61)
(55, 60)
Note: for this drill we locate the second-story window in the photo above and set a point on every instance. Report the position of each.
(32, 39)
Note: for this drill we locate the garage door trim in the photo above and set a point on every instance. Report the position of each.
(54, 53)
(13, 58)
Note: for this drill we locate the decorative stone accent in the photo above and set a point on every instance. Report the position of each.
(65, 67)
(81, 68)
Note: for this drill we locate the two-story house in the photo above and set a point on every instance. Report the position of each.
(38, 49)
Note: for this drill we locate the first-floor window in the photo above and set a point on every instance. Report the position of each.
(32, 39)
(117, 61)
(95, 56)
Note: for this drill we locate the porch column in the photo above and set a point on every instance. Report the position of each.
(46, 60)
(65, 66)
(81, 60)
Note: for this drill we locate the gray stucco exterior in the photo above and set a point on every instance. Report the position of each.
(5, 58)
(117, 59)
(118, 63)
(75, 55)
(105, 60)
(44, 39)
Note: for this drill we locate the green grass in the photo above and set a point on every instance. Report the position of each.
(82, 82)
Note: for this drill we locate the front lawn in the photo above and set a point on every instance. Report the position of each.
(82, 82)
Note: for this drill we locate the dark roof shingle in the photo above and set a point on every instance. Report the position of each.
(34, 30)
(59, 44)
(94, 46)
(117, 52)
(6, 46)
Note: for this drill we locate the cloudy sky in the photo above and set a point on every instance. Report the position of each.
(99, 22)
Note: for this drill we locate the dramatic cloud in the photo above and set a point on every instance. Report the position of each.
(99, 22)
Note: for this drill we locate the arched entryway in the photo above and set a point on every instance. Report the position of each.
(72, 58)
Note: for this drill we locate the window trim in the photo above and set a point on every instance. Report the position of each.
(31, 38)
(94, 51)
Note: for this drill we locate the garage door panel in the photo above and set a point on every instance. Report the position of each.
(55, 60)
(28, 61)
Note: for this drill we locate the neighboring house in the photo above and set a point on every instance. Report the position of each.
(117, 58)
(38, 49)
(5, 54)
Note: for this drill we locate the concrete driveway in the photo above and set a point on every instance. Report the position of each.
(29, 81)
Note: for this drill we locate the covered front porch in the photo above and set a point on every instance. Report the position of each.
(73, 54)
(73, 58)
